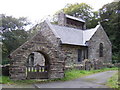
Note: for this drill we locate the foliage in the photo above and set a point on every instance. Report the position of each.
(79, 10)
(10, 23)
(93, 22)
(5, 79)
(110, 20)
(113, 81)
(13, 34)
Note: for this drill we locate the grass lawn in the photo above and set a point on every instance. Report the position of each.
(69, 75)
(113, 81)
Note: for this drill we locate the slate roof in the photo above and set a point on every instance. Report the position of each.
(87, 34)
(69, 35)
(74, 18)
(72, 36)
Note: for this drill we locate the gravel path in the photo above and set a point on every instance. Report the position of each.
(92, 81)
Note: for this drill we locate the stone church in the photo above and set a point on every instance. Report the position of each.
(61, 45)
(79, 43)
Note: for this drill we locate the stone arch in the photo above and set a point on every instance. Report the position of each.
(41, 49)
(19, 58)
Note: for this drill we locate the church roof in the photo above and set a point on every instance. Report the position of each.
(69, 35)
(73, 36)
(87, 34)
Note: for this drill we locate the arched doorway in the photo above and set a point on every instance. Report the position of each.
(37, 66)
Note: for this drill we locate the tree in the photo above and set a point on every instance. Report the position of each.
(10, 23)
(110, 20)
(79, 10)
(94, 20)
(13, 34)
(83, 11)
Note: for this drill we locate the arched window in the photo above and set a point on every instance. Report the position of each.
(101, 50)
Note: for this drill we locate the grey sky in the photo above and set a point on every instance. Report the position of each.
(36, 10)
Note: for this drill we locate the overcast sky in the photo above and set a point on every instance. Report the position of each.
(36, 10)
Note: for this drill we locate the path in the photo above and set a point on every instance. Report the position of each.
(92, 81)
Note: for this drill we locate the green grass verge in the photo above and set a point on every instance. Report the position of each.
(7, 80)
(113, 81)
(73, 74)
(69, 75)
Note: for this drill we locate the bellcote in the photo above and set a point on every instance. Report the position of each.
(70, 21)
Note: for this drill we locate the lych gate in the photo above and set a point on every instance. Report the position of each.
(21, 69)
(25, 65)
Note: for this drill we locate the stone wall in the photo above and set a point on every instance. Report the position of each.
(71, 53)
(93, 51)
(44, 42)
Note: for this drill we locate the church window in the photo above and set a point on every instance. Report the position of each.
(101, 50)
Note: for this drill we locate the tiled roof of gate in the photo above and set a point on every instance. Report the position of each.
(73, 36)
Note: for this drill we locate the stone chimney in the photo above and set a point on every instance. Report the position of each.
(61, 19)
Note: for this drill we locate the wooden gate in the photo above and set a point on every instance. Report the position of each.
(37, 72)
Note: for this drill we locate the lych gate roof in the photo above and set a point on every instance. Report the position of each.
(73, 36)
